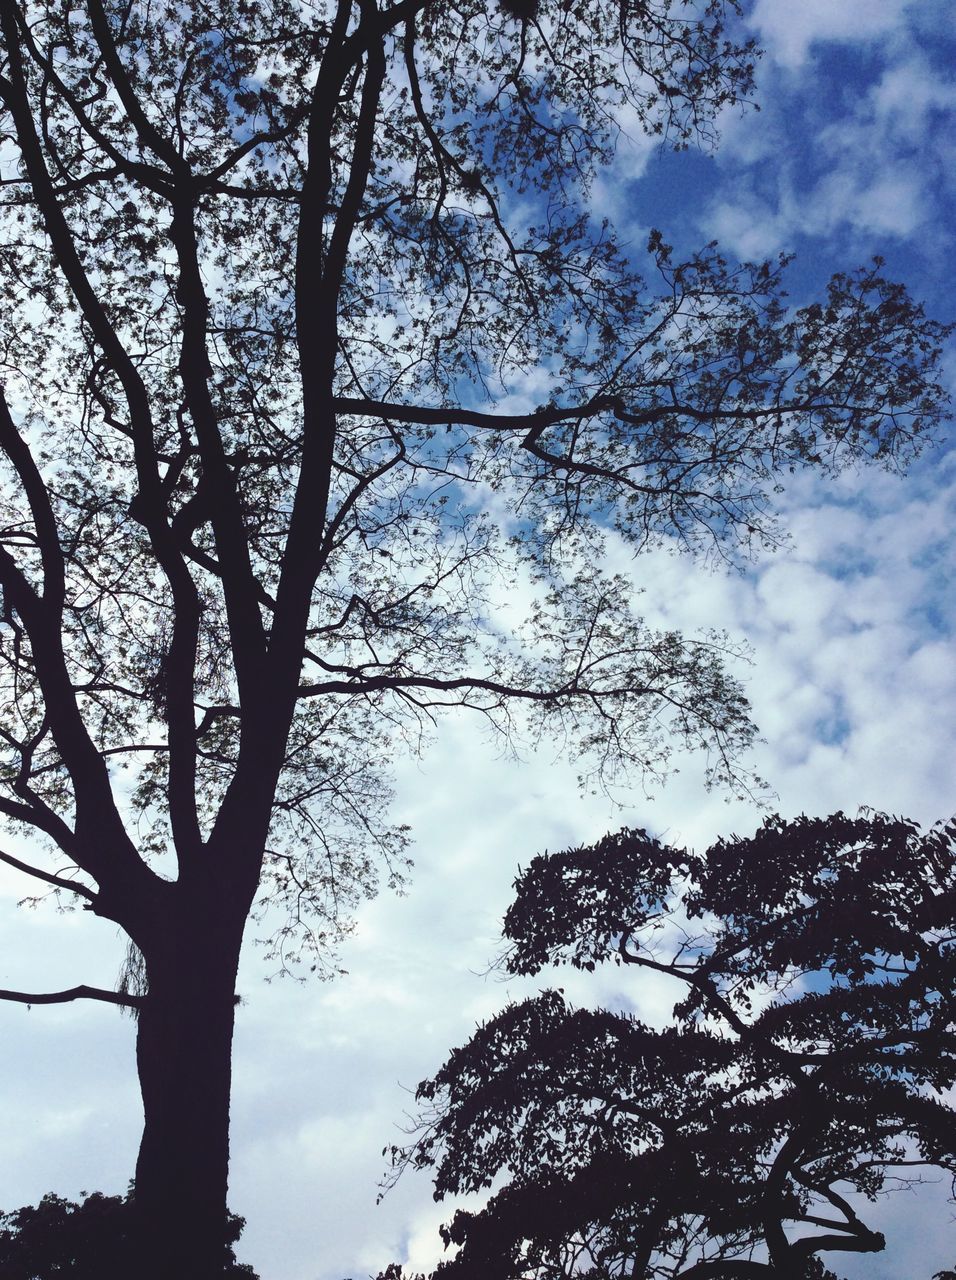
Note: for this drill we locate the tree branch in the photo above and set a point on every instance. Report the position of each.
(81, 992)
(727, 1269)
(48, 538)
(38, 814)
(48, 877)
(538, 420)
(318, 287)
(377, 683)
(240, 588)
(146, 131)
(865, 1241)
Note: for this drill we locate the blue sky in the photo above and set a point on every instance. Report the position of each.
(853, 685)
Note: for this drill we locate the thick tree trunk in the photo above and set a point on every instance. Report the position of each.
(184, 1051)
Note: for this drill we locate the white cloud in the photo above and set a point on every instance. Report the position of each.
(907, 95)
(875, 158)
(749, 228)
(789, 31)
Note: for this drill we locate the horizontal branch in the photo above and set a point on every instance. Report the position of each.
(727, 1269)
(423, 415)
(377, 684)
(81, 992)
(47, 876)
(862, 1241)
(539, 420)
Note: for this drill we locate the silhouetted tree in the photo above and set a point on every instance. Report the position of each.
(59, 1239)
(811, 1056)
(272, 296)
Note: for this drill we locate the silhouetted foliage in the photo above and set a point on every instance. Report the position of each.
(810, 1056)
(310, 346)
(94, 1239)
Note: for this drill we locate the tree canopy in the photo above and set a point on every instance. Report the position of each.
(808, 1066)
(309, 340)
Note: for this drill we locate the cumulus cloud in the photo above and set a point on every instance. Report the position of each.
(789, 31)
(874, 156)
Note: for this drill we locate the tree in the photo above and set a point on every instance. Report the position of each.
(269, 274)
(812, 1055)
(92, 1240)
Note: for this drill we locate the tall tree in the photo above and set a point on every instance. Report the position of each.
(307, 335)
(811, 1058)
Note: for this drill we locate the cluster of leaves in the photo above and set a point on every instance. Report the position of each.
(809, 1062)
(89, 1240)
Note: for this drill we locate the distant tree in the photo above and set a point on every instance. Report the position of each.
(811, 1056)
(94, 1239)
(308, 339)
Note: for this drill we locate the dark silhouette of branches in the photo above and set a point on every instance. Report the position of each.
(808, 1066)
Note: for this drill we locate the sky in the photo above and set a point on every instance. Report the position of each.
(852, 682)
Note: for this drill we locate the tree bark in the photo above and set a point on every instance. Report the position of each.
(184, 1057)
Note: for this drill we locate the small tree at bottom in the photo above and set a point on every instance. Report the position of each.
(59, 1239)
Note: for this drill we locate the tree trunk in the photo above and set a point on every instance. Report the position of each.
(184, 1052)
